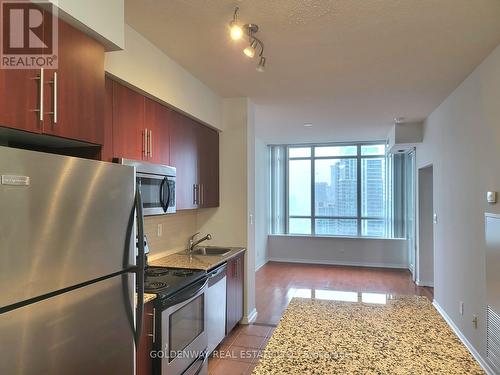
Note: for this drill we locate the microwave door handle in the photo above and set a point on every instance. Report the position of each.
(162, 188)
(164, 205)
(140, 266)
(167, 204)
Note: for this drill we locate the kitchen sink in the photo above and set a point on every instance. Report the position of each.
(220, 251)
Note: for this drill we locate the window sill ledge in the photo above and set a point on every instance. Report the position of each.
(337, 237)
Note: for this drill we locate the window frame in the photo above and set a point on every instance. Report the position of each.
(359, 158)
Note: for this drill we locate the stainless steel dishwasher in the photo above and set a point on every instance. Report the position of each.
(216, 307)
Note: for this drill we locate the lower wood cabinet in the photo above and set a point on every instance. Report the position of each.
(144, 362)
(234, 285)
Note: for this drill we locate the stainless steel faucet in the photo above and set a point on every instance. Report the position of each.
(192, 243)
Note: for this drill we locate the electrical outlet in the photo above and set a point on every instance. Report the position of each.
(474, 321)
(461, 309)
(160, 230)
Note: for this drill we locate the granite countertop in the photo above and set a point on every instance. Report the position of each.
(406, 335)
(199, 262)
(148, 297)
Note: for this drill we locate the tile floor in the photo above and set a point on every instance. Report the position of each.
(276, 283)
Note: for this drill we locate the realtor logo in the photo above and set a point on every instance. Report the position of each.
(28, 35)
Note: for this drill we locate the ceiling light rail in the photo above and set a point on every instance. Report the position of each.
(237, 31)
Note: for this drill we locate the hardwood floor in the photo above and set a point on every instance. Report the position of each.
(275, 285)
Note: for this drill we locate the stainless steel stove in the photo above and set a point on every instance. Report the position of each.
(180, 339)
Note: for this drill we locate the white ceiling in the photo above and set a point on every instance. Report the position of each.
(347, 66)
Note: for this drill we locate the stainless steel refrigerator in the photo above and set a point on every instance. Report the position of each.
(67, 265)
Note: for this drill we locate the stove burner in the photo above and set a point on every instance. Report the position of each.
(183, 273)
(155, 285)
(157, 271)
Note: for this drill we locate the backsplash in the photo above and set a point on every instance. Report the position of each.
(176, 229)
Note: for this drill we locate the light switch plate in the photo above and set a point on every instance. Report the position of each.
(491, 197)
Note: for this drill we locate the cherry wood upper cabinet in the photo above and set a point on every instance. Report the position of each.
(107, 146)
(128, 123)
(157, 122)
(184, 156)
(208, 166)
(20, 99)
(74, 93)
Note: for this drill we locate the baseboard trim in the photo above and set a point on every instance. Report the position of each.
(258, 267)
(464, 340)
(424, 283)
(338, 263)
(250, 318)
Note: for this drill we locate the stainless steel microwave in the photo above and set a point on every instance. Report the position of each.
(157, 185)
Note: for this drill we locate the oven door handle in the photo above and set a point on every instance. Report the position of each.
(202, 359)
(187, 294)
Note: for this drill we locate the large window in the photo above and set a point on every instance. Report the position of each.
(336, 190)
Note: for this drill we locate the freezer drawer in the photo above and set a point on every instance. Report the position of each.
(63, 221)
(85, 331)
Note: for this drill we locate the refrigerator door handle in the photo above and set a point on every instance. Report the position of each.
(140, 267)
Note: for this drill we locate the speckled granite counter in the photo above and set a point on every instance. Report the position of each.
(147, 297)
(404, 336)
(200, 262)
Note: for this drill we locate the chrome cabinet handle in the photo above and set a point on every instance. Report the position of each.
(145, 143)
(41, 79)
(153, 334)
(53, 82)
(150, 143)
(202, 194)
(195, 194)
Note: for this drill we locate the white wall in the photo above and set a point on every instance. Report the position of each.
(261, 203)
(104, 20)
(229, 223)
(462, 141)
(341, 251)
(425, 238)
(146, 67)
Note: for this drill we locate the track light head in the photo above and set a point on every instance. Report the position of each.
(262, 65)
(250, 50)
(235, 29)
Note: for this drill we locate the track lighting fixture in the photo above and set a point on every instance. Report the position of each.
(237, 31)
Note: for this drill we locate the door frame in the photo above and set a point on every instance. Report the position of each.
(420, 215)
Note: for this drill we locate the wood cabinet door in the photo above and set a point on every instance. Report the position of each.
(157, 120)
(238, 281)
(184, 156)
(234, 295)
(74, 93)
(208, 166)
(144, 362)
(107, 146)
(128, 123)
(20, 99)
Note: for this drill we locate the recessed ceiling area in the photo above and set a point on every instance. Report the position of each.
(349, 67)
